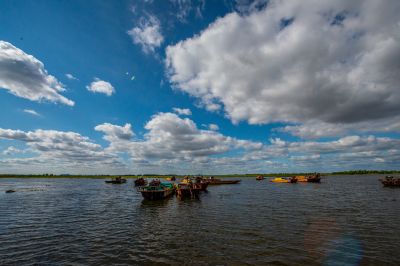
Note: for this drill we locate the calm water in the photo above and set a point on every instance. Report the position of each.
(342, 221)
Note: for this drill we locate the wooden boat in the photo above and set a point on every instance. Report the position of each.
(140, 182)
(10, 191)
(390, 181)
(215, 181)
(260, 177)
(159, 192)
(190, 190)
(116, 180)
(284, 180)
(200, 181)
(314, 178)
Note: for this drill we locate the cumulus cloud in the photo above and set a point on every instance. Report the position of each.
(25, 76)
(147, 34)
(175, 139)
(101, 86)
(181, 111)
(32, 112)
(325, 61)
(114, 132)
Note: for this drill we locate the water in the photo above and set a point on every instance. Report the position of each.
(342, 221)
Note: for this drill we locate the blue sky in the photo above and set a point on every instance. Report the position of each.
(91, 86)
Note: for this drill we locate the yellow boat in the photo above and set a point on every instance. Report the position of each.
(301, 178)
(284, 180)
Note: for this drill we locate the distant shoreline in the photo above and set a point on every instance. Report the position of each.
(358, 172)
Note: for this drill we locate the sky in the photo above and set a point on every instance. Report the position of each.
(199, 87)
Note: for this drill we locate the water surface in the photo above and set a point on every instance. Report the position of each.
(345, 220)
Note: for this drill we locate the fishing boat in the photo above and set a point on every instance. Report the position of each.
(390, 181)
(157, 192)
(116, 180)
(215, 181)
(202, 182)
(199, 181)
(190, 190)
(140, 182)
(284, 180)
(260, 177)
(314, 178)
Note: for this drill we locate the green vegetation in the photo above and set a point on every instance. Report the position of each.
(352, 172)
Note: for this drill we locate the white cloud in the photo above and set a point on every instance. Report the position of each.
(70, 76)
(175, 144)
(60, 151)
(32, 112)
(25, 76)
(114, 132)
(12, 150)
(181, 111)
(213, 127)
(171, 138)
(184, 8)
(296, 61)
(101, 86)
(147, 34)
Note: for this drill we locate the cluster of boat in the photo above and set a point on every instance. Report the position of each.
(188, 187)
(191, 187)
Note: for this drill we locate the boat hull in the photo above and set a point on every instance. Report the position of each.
(223, 182)
(188, 190)
(156, 194)
(115, 181)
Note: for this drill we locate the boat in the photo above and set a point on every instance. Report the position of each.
(172, 178)
(260, 177)
(390, 181)
(314, 178)
(202, 182)
(10, 191)
(215, 181)
(189, 190)
(159, 191)
(140, 182)
(199, 181)
(284, 180)
(301, 178)
(116, 180)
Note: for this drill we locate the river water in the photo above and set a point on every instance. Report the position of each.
(345, 220)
